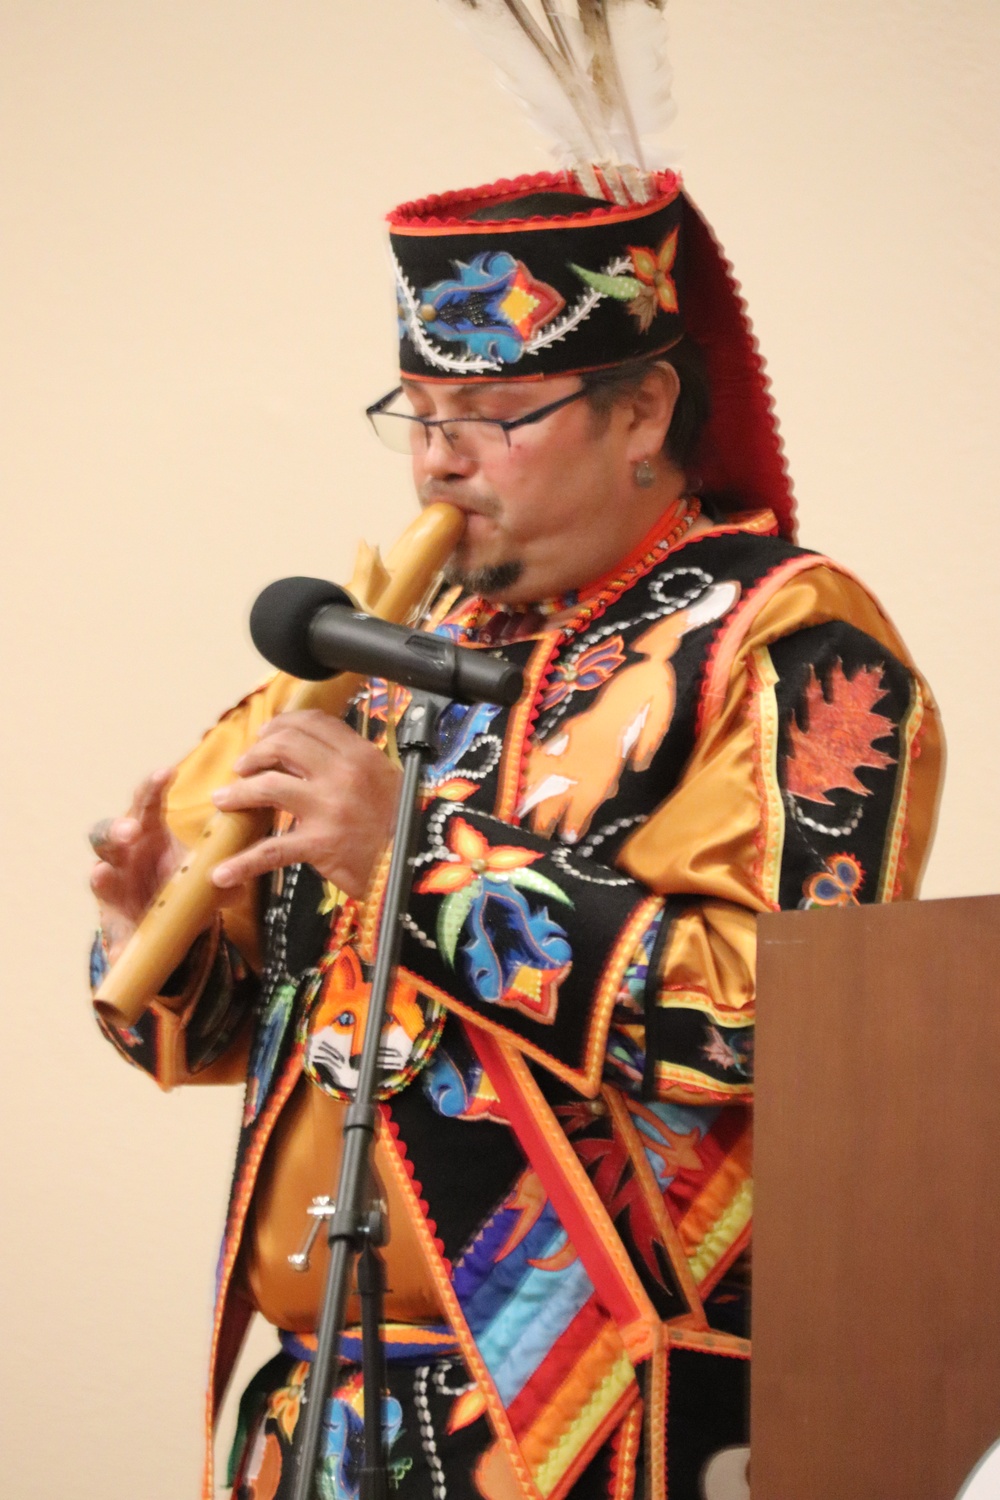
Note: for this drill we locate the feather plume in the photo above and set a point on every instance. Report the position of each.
(638, 36)
(592, 75)
(531, 68)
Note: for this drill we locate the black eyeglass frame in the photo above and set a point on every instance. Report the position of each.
(506, 424)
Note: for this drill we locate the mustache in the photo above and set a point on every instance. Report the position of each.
(451, 493)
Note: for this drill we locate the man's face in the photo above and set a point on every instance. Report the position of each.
(547, 512)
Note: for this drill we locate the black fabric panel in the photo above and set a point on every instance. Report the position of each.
(686, 579)
(708, 1408)
(690, 1038)
(850, 668)
(230, 992)
(607, 336)
(649, 1005)
(307, 928)
(592, 926)
(464, 1169)
(727, 1306)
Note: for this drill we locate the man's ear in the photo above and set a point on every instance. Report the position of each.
(652, 407)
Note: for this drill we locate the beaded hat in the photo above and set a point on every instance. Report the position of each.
(580, 270)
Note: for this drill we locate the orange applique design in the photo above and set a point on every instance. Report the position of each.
(659, 290)
(285, 1402)
(678, 1153)
(840, 737)
(529, 1198)
(264, 1470)
(466, 1408)
(836, 885)
(578, 767)
(476, 857)
(455, 789)
(535, 992)
(607, 1163)
(337, 1031)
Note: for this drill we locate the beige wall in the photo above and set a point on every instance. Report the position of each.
(195, 310)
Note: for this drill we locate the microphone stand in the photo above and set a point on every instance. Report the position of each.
(357, 1224)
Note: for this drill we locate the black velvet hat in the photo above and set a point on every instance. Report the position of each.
(513, 281)
(531, 278)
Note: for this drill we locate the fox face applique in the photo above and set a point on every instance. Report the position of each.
(338, 1028)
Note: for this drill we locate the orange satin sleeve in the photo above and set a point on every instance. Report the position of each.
(210, 765)
(718, 837)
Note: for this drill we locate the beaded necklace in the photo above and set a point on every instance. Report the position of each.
(500, 624)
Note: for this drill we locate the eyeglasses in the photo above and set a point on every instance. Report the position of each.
(471, 436)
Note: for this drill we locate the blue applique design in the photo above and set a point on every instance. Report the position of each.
(343, 1446)
(98, 962)
(458, 729)
(459, 1091)
(510, 953)
(493, 306)
(507, 935)
(667, 1127)
(461, 731)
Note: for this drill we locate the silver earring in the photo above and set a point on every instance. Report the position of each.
(645, 474)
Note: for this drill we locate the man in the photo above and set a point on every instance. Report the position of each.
(715, 724)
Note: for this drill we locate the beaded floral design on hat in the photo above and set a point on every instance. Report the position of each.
(553, 292)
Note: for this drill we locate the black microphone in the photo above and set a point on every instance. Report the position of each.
(312, 629)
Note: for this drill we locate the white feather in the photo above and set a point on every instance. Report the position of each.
(528, 73)
(638, 34)
(592, 75)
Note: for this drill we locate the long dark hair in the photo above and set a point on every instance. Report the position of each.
(605, 387)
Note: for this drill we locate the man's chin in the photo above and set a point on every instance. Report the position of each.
(490, 582)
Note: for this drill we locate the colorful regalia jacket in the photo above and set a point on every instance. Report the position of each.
(727, 727)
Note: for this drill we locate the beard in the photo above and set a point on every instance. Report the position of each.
(494, 579)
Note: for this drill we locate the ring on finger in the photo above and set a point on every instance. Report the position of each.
(100, 837)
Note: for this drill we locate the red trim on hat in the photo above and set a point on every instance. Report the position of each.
(444, 213)
(741, 449)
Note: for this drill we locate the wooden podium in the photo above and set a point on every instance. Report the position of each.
(876, 1274)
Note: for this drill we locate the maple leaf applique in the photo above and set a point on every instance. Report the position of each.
(841, 734)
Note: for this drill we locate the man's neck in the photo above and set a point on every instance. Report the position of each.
(638, 512)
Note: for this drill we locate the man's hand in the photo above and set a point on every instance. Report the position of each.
(137, 854)
(342, 792)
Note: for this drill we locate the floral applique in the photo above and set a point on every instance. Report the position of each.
(589, 670)
(493, 306)
(284, 1403)
(514, 954)
(837, 885)
(342, 1453)
(651, 288)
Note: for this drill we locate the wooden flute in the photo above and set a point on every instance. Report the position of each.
(188, 901)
